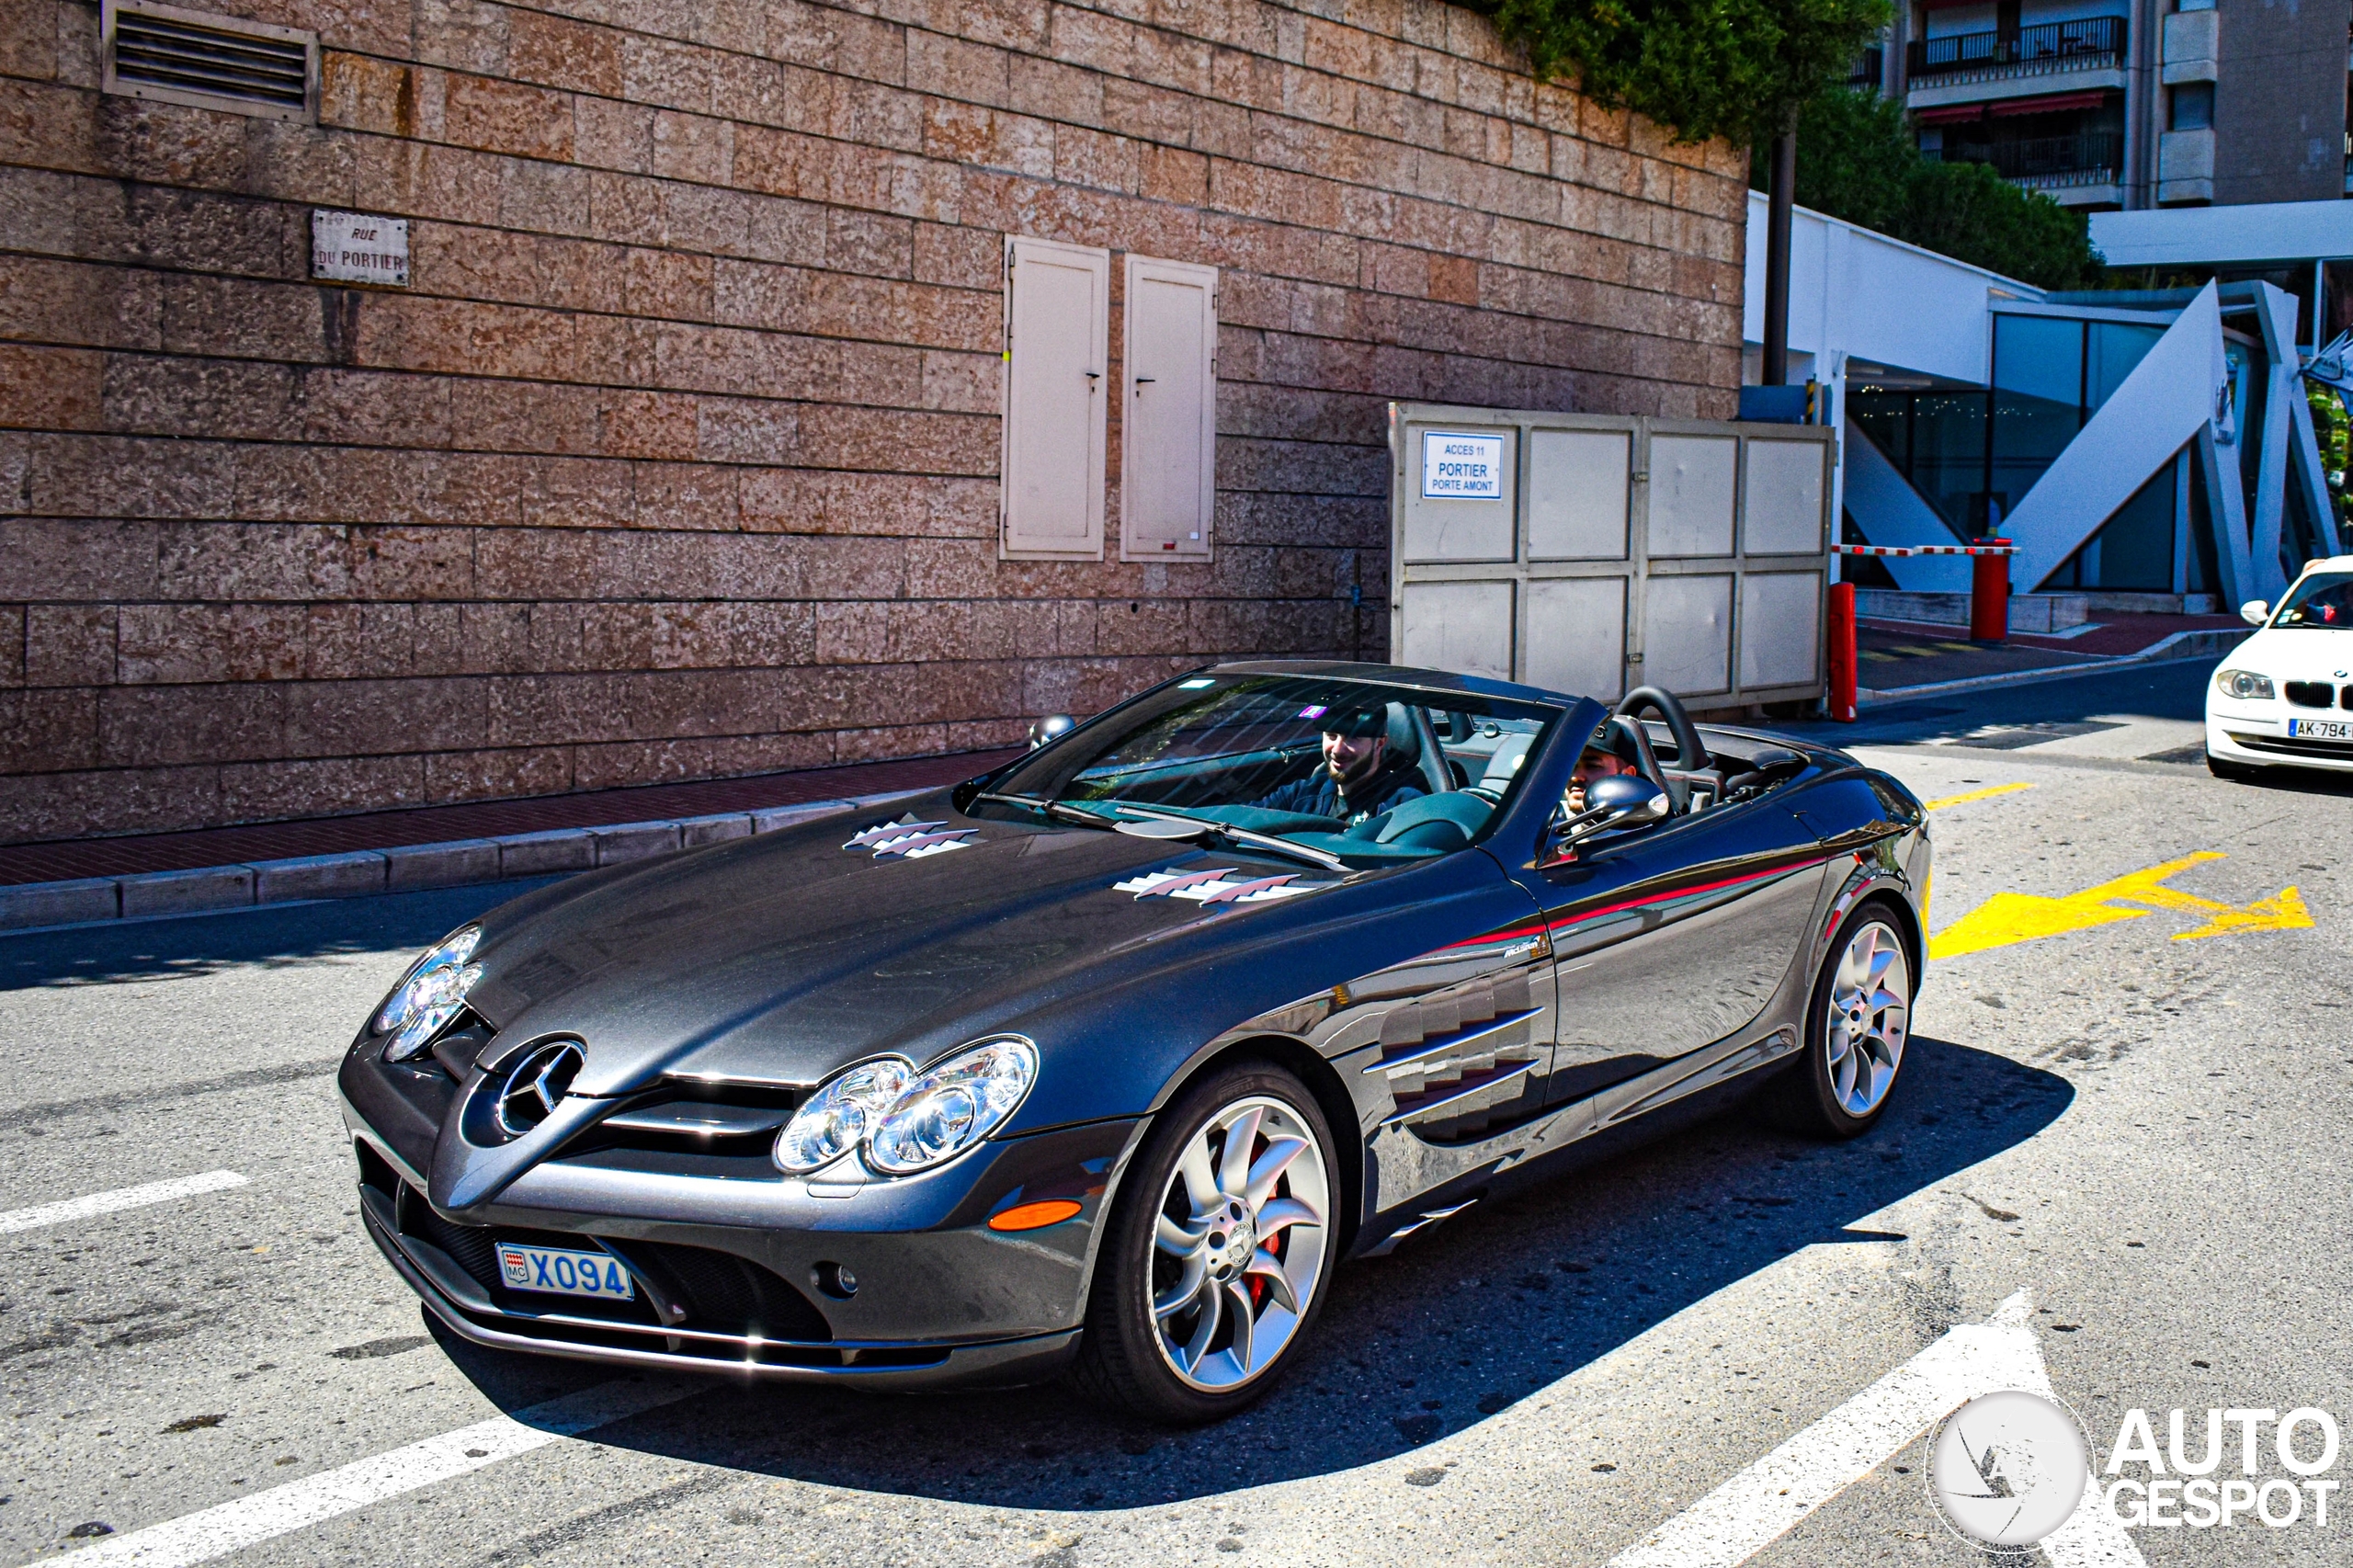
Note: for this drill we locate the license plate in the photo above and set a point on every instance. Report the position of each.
(563, 1273)
(2322, 729)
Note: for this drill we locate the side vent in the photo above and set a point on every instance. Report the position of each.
(167, 55)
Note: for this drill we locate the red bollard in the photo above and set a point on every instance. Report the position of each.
(1989, 596)
(1842, 652)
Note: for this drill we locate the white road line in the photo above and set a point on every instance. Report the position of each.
(1764, 1502)
(111, 1202)
(231, 1526)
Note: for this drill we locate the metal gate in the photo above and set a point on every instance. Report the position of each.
(1590, 553)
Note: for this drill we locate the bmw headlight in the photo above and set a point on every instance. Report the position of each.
(2244, 685)
(907, 1121)
(430, 996)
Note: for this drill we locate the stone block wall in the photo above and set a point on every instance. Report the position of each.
(677, 457)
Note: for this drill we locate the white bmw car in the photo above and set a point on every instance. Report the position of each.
(2284, 697)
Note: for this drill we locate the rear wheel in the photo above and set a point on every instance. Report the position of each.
(1857, 1026)
(1218, 1253)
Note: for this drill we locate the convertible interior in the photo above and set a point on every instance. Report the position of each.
(1463, 762)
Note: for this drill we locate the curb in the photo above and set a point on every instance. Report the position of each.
(2179, 647)
(410, 868)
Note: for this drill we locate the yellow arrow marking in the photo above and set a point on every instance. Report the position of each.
(1985, 794)
(2286, 912)
(2010, 917)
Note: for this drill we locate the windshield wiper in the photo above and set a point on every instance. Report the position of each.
(1232, 835)
(1062, 811)
(1059, 811)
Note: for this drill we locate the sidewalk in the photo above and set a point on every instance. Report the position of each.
(1903, 659)
(78, 880)
(104, 879)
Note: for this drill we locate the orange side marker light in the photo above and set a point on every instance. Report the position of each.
(1035, 1216)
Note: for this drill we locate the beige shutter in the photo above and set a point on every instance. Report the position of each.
(1168, 427)
(1057, 318)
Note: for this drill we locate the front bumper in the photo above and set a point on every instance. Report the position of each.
(469, 1310)
(744, 1275)
(2256, 736)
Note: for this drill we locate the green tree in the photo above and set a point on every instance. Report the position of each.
(2334, 427)
(1700, 68)
(1856, 161)
(1737, 68)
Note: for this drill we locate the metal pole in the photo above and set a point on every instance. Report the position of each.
(1777, 255)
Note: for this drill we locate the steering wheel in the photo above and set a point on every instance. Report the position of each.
(1694, 770)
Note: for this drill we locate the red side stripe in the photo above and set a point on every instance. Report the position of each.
(1668, 897)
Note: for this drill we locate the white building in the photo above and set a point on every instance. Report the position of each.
(2152, 450)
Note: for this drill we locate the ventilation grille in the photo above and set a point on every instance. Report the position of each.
(168, 55)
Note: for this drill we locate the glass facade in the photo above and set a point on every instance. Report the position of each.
(1974, 455)
(1936, 440)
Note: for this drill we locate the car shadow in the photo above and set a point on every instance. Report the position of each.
(2300, 782)
(1456, 1326)
(272, 935)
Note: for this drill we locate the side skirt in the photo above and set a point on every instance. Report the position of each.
(1673, 1094)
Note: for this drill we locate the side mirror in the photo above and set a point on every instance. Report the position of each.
(1623, 802)
(1053, 727)
(2255, 612)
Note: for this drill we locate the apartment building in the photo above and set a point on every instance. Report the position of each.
(2125, 104)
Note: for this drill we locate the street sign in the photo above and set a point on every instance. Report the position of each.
(358, 248)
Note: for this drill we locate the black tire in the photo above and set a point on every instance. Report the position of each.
(1120, 1360)
(1803, 1098)
(2236, 772)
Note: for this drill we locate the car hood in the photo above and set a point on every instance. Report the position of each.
(2300, 652)
(783, 957)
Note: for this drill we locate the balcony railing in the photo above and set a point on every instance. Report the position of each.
(1867, 69)
(2087, 45)
(2051, 162)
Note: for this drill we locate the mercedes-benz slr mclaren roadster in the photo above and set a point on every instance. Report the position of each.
(1106, 1061)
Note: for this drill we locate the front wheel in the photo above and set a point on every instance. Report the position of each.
(1218, 1251)
(2236, 772)
(1857, 1025)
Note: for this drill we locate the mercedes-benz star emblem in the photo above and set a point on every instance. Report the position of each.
(535, 1086)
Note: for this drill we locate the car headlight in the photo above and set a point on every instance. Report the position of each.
(835, 1122)
(2244, 684)
(430, 995)
(908, 1120)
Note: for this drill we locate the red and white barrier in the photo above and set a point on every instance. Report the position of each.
(1989, 608)
(1999, 546)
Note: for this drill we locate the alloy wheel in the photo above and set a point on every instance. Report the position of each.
(1238, 1251)
(1870, 1016)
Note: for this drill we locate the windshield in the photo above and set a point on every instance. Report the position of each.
(2323, 598)
(1367, 773)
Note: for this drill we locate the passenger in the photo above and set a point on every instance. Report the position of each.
(1594, 765)
(1361, 776)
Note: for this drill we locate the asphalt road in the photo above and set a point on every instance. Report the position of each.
(2140, 1127)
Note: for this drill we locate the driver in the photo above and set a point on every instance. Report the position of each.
(1360, 777)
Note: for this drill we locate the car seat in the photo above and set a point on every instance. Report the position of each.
(1624, 738)
(1696, 776)
(1505, 762)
